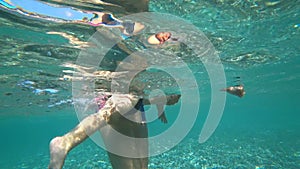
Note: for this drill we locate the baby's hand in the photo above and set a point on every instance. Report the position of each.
(163, 117)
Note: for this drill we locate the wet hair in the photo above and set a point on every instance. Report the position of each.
(129, 27)
(107, 19)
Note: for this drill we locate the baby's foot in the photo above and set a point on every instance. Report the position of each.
(58, 153)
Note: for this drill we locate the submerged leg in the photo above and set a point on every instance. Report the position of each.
(60, 146)
(132, 130)
(130, 126)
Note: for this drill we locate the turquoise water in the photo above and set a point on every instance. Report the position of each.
(256, 40)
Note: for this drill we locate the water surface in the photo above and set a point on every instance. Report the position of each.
(256, 40)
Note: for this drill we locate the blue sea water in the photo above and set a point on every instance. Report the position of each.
(257, 41)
